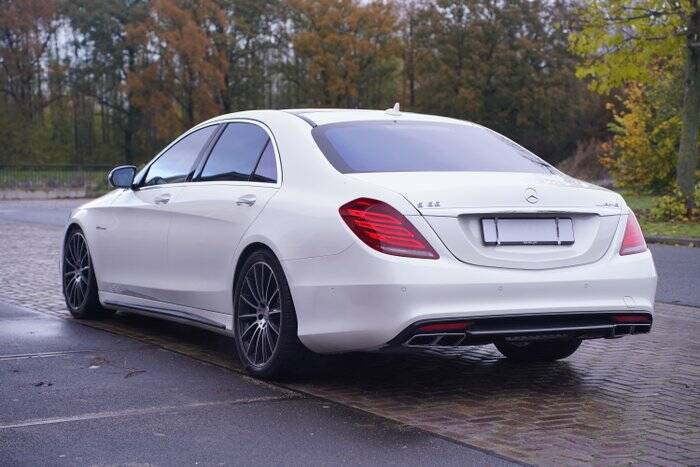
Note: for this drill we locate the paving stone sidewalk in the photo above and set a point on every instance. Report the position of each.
(633, 400)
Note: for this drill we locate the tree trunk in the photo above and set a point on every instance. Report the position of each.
(128, 147)
(131, 123)
(130, 128)
(226, 93)
(690, 114)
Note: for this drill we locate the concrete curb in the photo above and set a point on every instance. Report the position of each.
(691, 242)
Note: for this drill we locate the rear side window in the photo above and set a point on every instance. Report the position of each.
(405, 146)
(236, 153)
(266, 171)
(175, 165)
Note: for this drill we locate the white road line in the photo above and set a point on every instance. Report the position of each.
(60, 353)
(144, 411)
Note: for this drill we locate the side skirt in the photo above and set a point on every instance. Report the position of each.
(177, 316)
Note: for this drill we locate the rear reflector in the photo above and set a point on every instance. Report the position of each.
(632, 319)
(633, 241)
(440, 327)
(385, 229)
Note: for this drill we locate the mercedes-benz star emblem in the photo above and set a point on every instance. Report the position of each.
(531, 196)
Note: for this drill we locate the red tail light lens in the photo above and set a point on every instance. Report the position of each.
(385, 229)
(633, 241)
(632, 319)
(443, 327)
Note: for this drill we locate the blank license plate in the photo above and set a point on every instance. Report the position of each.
(530, 231)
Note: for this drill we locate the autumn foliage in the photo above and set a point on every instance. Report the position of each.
(643, 149)
(650, 50)
(110, 81)
(347, 47)
(182, 74)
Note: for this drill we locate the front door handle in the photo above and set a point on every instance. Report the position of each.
(162, 199)
(247, 200)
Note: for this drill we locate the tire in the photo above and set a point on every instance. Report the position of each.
(78, 279)
(543, 351)
(265, 321)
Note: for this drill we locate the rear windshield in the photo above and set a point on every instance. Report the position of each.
(405, 146)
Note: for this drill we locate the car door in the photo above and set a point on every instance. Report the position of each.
(211, 214)
(135, 236)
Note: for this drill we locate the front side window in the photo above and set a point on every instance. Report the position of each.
(175, 164)
(416, 146)
(236, 153)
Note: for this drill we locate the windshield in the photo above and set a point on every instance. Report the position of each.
(411, 146)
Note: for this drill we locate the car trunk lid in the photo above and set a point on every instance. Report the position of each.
(456, 205)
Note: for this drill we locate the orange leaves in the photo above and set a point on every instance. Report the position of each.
(182, 77)
(26, 29)
(345, 44)
(27, 14)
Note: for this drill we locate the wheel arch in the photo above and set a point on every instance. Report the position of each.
(73, 224)
(256, 244)
(245, 254)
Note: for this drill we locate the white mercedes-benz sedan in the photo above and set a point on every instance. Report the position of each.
(358, 230)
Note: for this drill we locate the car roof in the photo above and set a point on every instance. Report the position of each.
(324, 116)
(327, 116)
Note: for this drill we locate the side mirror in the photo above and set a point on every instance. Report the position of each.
(122, 176)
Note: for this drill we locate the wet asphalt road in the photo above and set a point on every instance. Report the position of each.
(74, 395)
(46, 212)
(678, 267)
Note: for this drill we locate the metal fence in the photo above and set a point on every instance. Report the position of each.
(87, 178)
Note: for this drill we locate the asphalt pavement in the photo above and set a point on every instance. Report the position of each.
(73, 395)
(46, 212)
(678, 267)
(78, 395)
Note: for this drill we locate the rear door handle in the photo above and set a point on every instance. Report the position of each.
(247, 200)
(162, 199)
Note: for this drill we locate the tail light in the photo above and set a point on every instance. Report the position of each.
(633, 241)
(632, 319)
(443, 327)
(385, 229)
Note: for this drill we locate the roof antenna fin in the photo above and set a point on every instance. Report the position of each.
(394, 111)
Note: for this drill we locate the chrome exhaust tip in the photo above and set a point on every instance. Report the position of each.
(627, 329)
(436, 340)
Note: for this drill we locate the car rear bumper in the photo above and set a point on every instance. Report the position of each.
(522, 328)
(362, 300)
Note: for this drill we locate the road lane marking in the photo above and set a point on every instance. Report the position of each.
(144, 411)
(63, 352)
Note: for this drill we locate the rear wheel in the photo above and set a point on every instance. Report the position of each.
(79, 284)
(265, 319)
(542, 351)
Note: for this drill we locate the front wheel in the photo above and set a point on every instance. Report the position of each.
(265, 319)
(79, 283)
(543, 351)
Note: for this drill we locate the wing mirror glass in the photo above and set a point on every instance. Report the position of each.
(122, 176)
